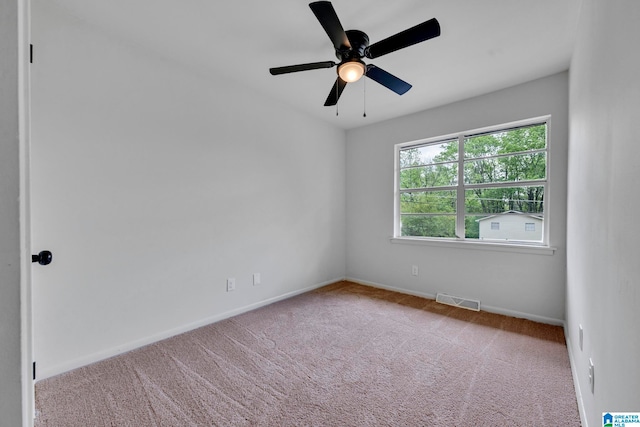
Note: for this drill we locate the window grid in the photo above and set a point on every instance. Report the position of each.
(462, 186)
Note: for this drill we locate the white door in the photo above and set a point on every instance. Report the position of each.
(46, 192)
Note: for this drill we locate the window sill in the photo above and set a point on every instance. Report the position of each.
(522, 248)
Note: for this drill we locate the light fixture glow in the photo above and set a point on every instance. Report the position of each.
(351, 71)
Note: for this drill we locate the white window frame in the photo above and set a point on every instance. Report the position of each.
(521, 246)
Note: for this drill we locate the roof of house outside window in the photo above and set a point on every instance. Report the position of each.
(534, 216)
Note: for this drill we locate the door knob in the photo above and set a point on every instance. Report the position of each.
(43, 258)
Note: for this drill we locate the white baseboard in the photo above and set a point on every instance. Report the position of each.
(576, 383)
(107, 353)
(391, 288)
(519, 314)
(488, 308)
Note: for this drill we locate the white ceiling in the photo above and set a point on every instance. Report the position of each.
(485, 45)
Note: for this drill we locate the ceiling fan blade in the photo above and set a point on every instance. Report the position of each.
(328, 18)
(335, 93)
(421, 32)
(301, 67)
(387, 79)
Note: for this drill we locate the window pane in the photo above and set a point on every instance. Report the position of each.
(522, 167)
(429, 176)
(428, 225)
(427, 154)
(505, 142)
(428, 202)
(502, 199)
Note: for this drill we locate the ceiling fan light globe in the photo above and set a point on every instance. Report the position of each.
(351, 71)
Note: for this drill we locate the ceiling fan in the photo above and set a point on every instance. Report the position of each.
(353, 45)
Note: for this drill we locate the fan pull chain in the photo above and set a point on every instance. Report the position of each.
(364, 95)
(337, 99)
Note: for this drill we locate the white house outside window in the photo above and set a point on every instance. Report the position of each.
(447, 187)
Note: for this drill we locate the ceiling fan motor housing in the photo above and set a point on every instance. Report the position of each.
(359, 42)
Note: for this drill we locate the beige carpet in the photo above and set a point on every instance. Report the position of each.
(344, 355)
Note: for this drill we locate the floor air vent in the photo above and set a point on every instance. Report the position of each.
(469, 304)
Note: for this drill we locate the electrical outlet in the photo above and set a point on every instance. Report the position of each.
(231, 284)
(256, 279)
(592, 378)
(414, 270)
(580, 336)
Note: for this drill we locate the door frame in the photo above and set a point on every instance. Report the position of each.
(26, 307)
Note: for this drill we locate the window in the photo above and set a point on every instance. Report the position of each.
(463, 186)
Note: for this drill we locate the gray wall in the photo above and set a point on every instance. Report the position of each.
(603, 272)
(523, 284)
(153, 183)
(10, 316)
